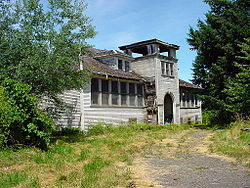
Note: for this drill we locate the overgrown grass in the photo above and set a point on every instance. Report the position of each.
(99, 158)
(103, 156)
(233, 141)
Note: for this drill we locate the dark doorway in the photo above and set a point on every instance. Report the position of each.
(168, 109)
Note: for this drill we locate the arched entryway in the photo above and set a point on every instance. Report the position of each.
(168, 109)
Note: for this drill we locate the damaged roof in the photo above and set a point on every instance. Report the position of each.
(101, 69)
(97, 67)
(183, 83)
(97, 53)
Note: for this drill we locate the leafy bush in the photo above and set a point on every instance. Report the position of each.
(21, 122)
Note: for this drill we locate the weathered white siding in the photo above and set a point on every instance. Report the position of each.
(114, 115)
(191, 115)
(71, 117)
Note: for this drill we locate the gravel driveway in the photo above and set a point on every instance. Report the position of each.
(184, 162)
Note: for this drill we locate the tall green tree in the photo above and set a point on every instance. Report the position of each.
(217, 42)
(238, 88)
(40, 43)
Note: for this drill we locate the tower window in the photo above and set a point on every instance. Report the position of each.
(167, 68)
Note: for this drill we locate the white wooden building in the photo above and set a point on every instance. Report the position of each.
(124, 89)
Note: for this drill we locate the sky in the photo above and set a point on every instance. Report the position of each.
(122, 22)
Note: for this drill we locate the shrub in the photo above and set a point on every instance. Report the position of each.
(21, 122)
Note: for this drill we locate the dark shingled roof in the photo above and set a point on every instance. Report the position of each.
(91, 62)
(183, 83)
(101, 69)
(146, 42)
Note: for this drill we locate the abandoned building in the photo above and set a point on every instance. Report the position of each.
(124, 89)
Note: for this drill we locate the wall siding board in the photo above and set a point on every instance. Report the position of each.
(71, 117)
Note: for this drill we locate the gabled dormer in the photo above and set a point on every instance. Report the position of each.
(114, 59)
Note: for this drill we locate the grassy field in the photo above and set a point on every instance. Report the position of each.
(103, 157)
(233, 142)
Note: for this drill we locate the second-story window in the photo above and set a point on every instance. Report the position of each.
(120, 64)
(167, 68)
(126, 66)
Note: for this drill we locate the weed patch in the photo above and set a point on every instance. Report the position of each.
(233, 142)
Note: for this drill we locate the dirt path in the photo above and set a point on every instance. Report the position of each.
(184, 162)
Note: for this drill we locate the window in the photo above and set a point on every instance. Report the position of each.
(183, 99)
(131, 94)
(188, 99)
(124, 94)
(167, 69)
(139, 95)
(120, 66)
(94, 91)
(163, 66)
(196, 101)
(105, 92)
(114, 91)
(171, 69)
(192, 100)
(108, 92)
(126, 66)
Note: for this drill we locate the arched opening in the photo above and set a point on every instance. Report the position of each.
(168, 109)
